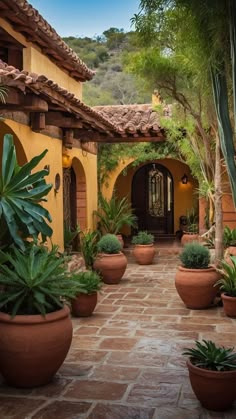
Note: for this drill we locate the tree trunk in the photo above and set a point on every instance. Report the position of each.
(218, 205)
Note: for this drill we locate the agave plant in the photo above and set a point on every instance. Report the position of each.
(228, 281)
(88, 282)
(21, 192)
(229, 237)
(34, 281)
(208, 356)
(114, 214)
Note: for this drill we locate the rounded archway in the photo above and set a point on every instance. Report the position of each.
(20, 152)
(153, 198)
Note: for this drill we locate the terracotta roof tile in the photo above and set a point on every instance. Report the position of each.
(134, 119)
(10, 76)
(28, 21)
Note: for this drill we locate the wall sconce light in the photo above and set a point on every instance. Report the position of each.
(57, 183)
(66, 161)
(184, 179)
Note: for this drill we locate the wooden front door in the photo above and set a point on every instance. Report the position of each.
(152, 199)
(69, 198)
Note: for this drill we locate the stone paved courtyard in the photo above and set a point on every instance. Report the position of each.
(125, 361)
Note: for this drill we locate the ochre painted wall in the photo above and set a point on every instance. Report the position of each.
(35, 61)
(29, 144)
(184, 197)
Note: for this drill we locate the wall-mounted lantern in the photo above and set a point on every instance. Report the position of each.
(184, 179)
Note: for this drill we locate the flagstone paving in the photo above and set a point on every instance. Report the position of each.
(126, 360)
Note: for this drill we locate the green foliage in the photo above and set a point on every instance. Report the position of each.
(34, 281)
(143, 238)
(21, 192)
(109, 244)
(228, 281)
(192, 220)
(229, 237)
(88, 282)
(208, 356)
(88, 246)
(195, 256)
(114, 214)
(70, 234)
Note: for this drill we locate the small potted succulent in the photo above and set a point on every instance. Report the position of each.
(191, 233)
(89, 283)
(110, 261)
(227, 284)
(212, 373)
(144, 248)
(195, 278)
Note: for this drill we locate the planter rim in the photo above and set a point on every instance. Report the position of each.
(218, 375)
(84, 293)
(109, 254)
(228, 297)
(35, 318)
(209, 269)
(145, 245)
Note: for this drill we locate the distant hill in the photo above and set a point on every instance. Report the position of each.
(111, 85)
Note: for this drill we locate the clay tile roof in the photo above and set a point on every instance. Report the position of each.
(39, 84)
(27, 20)
(133, 119)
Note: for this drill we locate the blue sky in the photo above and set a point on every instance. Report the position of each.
(86, 17)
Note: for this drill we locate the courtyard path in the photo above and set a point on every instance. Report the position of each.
(126, 360)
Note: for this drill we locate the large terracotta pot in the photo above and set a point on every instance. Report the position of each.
(216, 390)
(32, 348)
(196, 286)
(84, 304)
(144, 253)
(111, 267)
(189, 238)
(229, 304)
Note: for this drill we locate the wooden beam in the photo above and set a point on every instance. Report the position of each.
(59, 120)
(68, 138)
(38, 121)
(18, 101)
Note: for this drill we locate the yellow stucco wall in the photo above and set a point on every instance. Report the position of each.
(35, 61)
(184, 197)
(29, 144)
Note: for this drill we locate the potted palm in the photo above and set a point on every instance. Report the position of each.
(227, 284)
(35, 288)
(144, 249)
(114, 214)
(195, 278)
(110, 261)
(34, 281)
(212, 373)
(89, 283)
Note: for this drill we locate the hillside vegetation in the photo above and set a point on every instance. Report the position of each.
(111, 85)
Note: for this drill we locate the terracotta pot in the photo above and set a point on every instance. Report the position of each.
(229, 304)
(189, 238)
(216, 390)
(144, 253)
(32, 348)
(84, 304)
(111, 267)
(195, 286)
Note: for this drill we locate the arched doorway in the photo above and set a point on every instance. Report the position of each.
(152, 199)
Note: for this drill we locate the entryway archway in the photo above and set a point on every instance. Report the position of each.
(153, 199)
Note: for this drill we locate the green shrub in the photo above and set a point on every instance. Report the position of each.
(88, 282)
(229, 237)
(208, 356)
(195, 256)
(228, 281)
(143, 238)
(109, 244)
